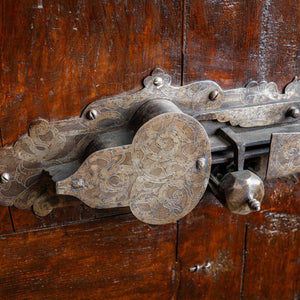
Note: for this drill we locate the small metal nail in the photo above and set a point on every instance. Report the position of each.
(158, 81)
(200, 163)
(254, 204)
(294, 112)
(213, 95)
(5, 177)
(197, 268)
(91, 114)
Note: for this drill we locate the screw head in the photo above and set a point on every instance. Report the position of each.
(158, 81)
(91, 114)
(213, 95)
(5, 177)
(200, 163)
(294, 112)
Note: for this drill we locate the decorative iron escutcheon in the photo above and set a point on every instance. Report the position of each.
(157, 150)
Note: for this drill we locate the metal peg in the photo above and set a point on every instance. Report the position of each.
(158, 81)
(254, 204)
(200, 164)
(5, 177)
(294, 112)
(213, 95)
(91, 114)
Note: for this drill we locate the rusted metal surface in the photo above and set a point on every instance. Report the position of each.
(156, 176)
(284, 158)
(54, 145)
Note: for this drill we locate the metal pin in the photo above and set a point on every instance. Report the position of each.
(91, 114)
(213, 95)
(197, 268)
(200, 163)
(294, 112)
(158, 81)
(5, 177)
(254, 204)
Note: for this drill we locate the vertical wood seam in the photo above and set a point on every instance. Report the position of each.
(244, 262)
(183, 40)
(183, 37)
(11, 220)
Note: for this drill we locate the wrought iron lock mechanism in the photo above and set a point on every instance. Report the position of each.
(157, 150)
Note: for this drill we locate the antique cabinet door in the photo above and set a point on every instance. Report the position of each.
(56, 57)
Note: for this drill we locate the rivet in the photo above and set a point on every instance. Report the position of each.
(294, 112)
(213, 95)
(91, 114)
(158, 81)
(254, 204)
(200, 163)
(5, 177)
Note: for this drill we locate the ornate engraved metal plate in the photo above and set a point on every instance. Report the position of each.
(284, 156)
(159, 176)
(165, 152)
(119, 176)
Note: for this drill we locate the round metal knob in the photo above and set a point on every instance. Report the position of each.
(241, 192)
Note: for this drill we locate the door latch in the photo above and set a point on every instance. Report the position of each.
(158, 149)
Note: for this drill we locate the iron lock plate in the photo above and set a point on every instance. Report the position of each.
(154, 150)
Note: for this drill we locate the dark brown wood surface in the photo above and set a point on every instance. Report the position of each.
(272, 264)
(210, 236)
(234, 42)
(119, 257)
(58, 56)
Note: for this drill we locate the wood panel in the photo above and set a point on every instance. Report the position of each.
(233, 42)
(25, 219)
(58, 56)
(211, 235)
(5, 221)
(272, 264)
(116, 258)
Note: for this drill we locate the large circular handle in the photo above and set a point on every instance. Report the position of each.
(171, 157)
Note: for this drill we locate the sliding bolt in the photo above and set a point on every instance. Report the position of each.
(91, 114)
(294, 112)
(5, 177)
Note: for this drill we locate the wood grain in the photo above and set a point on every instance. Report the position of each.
(5, 221)
(58, 56)
(117, 258)
(211, 234)
(272, 265)
(24, 219)
(234, 42)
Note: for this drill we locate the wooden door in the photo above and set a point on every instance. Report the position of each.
(56, 57)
